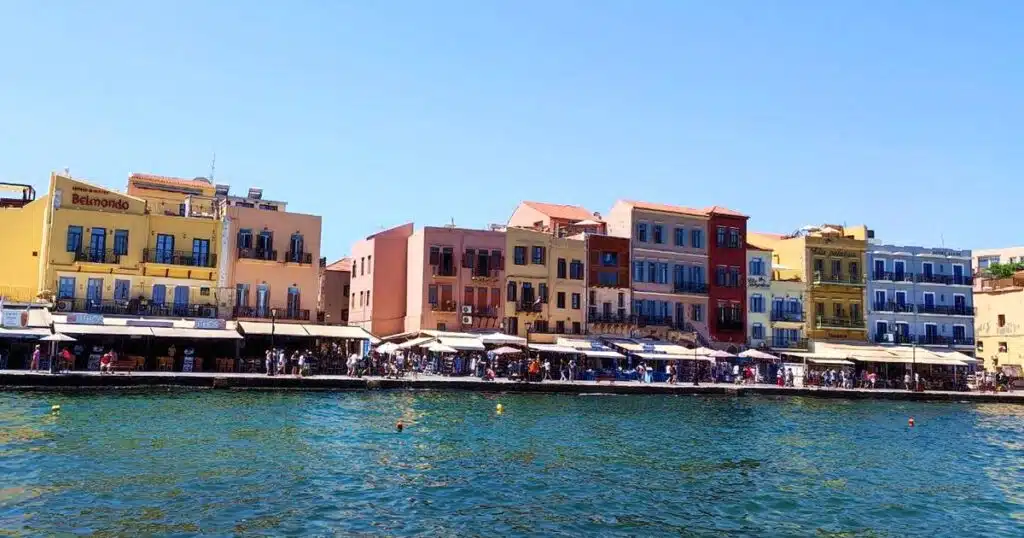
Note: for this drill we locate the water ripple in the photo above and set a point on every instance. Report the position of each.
(284, 464)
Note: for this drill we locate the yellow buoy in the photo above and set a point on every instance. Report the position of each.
(55, 409)
(499, 408)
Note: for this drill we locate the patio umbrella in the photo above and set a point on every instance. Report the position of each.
(438, 347)
(57, 337)
(506, 350)
(755, 354)
(387, 347)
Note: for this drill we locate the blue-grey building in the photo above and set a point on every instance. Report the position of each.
(920, 295)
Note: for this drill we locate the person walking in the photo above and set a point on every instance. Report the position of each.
(35, 359)
(546, 370)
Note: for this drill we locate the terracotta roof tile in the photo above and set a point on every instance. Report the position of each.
(679, 210)
(344, 264)
(719, 210)
(170, 180)
(560, 211)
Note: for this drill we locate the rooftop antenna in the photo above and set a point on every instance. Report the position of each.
(942, 240)
(213, 166)
(67, 171)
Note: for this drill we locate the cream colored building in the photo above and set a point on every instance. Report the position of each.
(999, 322)
(759, 280)
(981, 259)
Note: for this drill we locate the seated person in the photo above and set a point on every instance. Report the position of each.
(105, 363)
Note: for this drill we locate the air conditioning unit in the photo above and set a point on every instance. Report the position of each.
(467, 309)
(209, 312)
(889, 338)
(63, 305)
(467, 320)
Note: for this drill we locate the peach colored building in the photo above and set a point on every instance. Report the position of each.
(334, 292)
(275, 257)
(377, 299)
(558, 219)
(670, 263)
(455, 279)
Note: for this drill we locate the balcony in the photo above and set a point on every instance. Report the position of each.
(262, 254)
(97, 256)
(178, 257)
(897, 338)
(493, 274)
(444, 306)
(893, 307)
(135, 307)
(946, 310)
(890, 276)
(486, 312)
(731, 324)
(838, 323)
(609, 317)
(305, 258)
(787, 316)
(528, 306)
(841, 280)
(698, 288)
(656, 321)
(444, 271)
(296, 314)
(923, 278)
(781, 343)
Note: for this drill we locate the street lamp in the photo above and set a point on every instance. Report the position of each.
(273, 352)
(695, 382)
(529, 327)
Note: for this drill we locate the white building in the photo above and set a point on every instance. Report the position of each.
(759, 278)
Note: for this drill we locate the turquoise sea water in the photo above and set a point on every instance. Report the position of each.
(281, 464)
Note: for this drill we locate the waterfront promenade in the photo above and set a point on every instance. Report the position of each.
(24, 380)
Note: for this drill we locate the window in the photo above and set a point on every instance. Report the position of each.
(66, 288)
(638, 271)
(122, 288)
(561, 273)
(242, 295)
(560, 299)
(164, 248)
(519, 255)
(575, 301)
(641, 232)
(757, 331)
(837, 268)
(298, 247)
(496, 260)
(542, 290)
(652, 269)
(121, 242)
(697, 312)
(369, 264)
(720, 275)
(855, 311)
(447, 265)
(819, 267)
(201, 252)
(837, 310)
(245, 238)
(74, 239)
(622, 300)
(97, 244)
(468, 258)
(756, 267)
(577, 328)
(361, 298)
(362, 265)
(734, 238)
(1002, 347)
(610, 259)
(442, 326)
(663, 273)
(159, 294)
(510, 292)
(927, 269)
(757, 303)
(537, 256)
(734, 277)
(680, 237)
(819, 309)
(265, 244)
(720, 236)
(560, 327)
(1001, 320)
(576, 270)
(263, 300)
(879, 273)
(467, 295)
(697, 238)
(295, 302)
(435, 255)
(659, 234)
(854, 272)
(981, 346)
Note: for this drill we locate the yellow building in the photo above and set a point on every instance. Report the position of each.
(830, 261)
(545, 284)
(21, 219)
(93, 249)
(999, 321)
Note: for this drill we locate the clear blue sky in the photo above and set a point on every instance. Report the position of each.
(905, 115)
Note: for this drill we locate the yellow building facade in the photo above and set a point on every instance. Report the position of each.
(830, 262)
(96, 250)
(999, 321)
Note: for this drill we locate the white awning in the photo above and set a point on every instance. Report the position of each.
(416, 342)
(279, 329)
(462, 343)
(167, 332)
(600, 353)
(339, 331)
(808, 355)
(668, 357)
(30, 332)
(499, 338)
(553, 348)
(831, 361)
(114, 330)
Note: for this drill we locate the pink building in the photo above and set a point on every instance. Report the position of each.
(558, 219)
(377, 297)
(276, 257)
(455, 279)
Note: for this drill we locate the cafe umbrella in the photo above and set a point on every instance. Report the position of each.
(53, 339)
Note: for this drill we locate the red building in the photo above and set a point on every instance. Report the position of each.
(727, 260)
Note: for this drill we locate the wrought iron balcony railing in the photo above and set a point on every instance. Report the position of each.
(946, 310)
(251, 253)
(839, 323)
(299, 257)
(179, 257)
(135, 307)
(296, 314)
(97, 256)
(786, 316)
(698, 288)
(848, 280)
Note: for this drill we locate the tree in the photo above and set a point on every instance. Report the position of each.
(1004, 270)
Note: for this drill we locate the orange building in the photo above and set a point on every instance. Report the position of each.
(335, 280)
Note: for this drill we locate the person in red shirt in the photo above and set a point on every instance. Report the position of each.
(105, 363)
(65, 360)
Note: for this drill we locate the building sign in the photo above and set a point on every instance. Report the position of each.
(71, 194)
(758, 282)
(159, 323)
(85, 319)
(14, 319)
(835, 253)
(214, 324)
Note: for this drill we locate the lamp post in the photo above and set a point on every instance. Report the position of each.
(695, 382)
(273, 351)
(522, 374)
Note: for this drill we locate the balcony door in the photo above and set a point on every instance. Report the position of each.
(94, 292)
(121, 290)
(901, 298)
(959, 333)
(298, 245)
(265, 244)
(262, 301)
(879, 269)
(294, 302)
(97, 244)
(879, 299)
(201, 252)
(164, 248)
(931, 331)
(159, 294)
(958, 274)
(926, 268)
(899, 268)
(929, 302)
(881, 329)
(960, 303)
(181, 300)
(242, 296)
